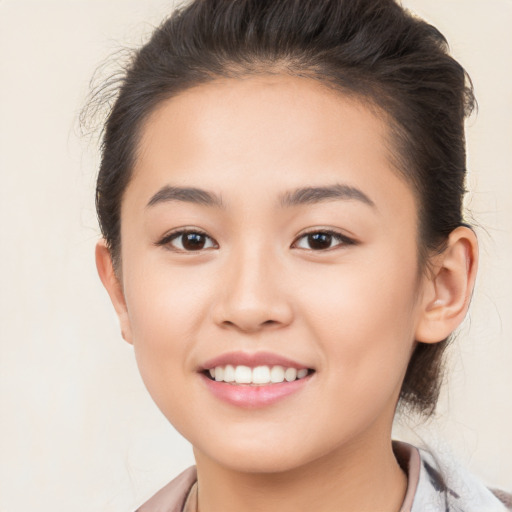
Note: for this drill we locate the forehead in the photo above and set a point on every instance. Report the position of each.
(267, 132)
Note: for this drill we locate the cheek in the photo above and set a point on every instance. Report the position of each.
(166, 309)
(364, 318)
(166, 302)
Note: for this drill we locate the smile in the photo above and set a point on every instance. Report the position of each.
(258, 376)
(254, 380)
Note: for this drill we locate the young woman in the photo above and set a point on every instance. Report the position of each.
(280, 197)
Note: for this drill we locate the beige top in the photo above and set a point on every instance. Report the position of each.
(430, 487)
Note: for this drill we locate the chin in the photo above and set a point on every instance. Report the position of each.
(252, 455)
(263, 463)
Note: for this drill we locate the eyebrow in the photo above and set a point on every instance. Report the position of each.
(187, 195)
(311, 195)
(300, 196)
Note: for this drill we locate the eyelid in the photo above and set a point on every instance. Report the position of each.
(344, 240)
(177, 232)
(166, 239)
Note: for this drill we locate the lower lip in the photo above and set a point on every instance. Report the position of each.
(245, 395)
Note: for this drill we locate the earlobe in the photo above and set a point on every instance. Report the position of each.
(114, 288)
(449, 288)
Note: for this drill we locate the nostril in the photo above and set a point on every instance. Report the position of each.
(250, 324)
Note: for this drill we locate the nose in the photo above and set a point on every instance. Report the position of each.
(252, 294)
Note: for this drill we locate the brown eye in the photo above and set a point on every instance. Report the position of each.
(322, 240)
(319, 240)
(188, 241)
(193, 241)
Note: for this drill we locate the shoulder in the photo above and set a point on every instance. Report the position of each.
(446, 483)
(172, 497)
(504, 497)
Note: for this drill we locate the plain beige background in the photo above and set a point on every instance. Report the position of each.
(78, 430)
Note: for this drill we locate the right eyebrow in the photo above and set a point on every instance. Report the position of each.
(185, 194)
(312, 195)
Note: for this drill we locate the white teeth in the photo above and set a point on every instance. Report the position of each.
(258, 375)
(219, 373)
(290, 374)
(261, 375)
(277, 374)
(302, 373)
(243, 375)
(229, 373)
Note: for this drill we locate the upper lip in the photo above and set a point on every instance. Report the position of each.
(252, 360)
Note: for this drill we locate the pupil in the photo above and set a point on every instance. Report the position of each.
(193, 241)
(319, 240)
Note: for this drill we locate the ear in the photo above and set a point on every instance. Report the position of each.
(113, 286)
(448, 289)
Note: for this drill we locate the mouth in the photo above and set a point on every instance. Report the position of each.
(254, 380)
(257, 376)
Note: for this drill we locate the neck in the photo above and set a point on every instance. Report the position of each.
(364, 476)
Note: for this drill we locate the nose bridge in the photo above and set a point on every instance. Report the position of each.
(253, 294)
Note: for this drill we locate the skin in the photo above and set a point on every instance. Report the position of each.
(351, 312)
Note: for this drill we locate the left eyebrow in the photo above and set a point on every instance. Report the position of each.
(311, 195)
(187, 195)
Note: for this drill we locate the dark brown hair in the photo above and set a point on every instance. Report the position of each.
(373, 50)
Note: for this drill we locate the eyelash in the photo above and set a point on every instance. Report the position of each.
(342, 239)
(167, 239)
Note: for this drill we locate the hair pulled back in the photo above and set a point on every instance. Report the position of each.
(373, 50)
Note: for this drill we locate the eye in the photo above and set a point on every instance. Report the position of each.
(322, 240)
(188, 241)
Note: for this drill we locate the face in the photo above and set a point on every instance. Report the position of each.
(267, 238)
